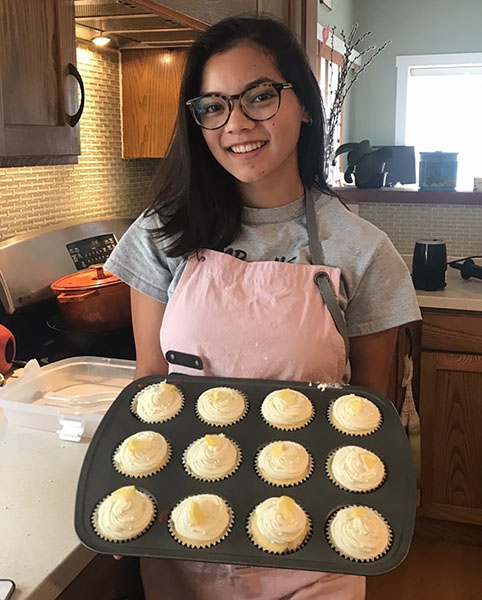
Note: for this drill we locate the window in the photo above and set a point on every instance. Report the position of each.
(439, 99)
(329, 64)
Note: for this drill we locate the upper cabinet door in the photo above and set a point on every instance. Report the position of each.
(39, 94)
(151, 81)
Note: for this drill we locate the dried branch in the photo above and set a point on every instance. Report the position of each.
(346, 79)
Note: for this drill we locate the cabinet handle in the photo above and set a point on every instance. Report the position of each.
(74, 119)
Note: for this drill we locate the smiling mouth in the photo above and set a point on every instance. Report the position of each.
(246, 148)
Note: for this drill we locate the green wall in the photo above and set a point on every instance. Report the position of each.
(415, 27)
(341, 15)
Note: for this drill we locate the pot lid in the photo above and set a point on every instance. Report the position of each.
(92, 278)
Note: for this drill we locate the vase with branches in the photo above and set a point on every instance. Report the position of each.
(355, 61)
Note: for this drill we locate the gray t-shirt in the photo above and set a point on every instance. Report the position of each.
(376, 291)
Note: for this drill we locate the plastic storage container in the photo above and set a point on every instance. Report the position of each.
(69, 396)
(438, 171)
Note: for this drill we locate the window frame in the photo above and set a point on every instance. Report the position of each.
(405, 63)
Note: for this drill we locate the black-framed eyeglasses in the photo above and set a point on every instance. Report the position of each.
(259, 102)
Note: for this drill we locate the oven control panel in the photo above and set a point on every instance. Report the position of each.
(91, 251)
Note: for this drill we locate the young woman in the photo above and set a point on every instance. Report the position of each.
(247, 259)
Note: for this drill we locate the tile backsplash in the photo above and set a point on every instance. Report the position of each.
(460, 226)
(102, 184)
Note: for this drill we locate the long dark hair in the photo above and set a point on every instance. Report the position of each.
(196, 199)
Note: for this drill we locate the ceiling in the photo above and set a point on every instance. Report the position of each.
(134, 24)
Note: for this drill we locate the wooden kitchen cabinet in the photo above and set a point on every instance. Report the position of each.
(151, 81)
(39, 103)
(408, 342)
(451, 416)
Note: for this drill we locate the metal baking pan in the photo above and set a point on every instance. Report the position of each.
(395, 499)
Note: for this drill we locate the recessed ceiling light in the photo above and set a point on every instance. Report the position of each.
(101, 40)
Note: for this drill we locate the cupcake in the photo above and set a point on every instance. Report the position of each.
(279, 525)
(359, 533)
(200, 521)
(158, 402)
(142, 454)
(221, 406)
(284, 463)
(124, 514)
(212, 457)
(355, 469)
(287, 409)
(354, 415)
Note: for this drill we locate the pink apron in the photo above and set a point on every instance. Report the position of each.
(268, 320)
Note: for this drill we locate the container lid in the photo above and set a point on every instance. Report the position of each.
(90, 279)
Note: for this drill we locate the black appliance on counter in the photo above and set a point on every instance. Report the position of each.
(429, 265)
(29, 264)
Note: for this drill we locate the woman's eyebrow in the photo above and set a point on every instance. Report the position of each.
(248, 85)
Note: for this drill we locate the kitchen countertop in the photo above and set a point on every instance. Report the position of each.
(458, 295)
(40, 550)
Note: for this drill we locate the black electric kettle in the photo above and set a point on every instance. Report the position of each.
(429, 265)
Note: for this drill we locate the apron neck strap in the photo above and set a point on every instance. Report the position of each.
(322, 280)
(312, 228)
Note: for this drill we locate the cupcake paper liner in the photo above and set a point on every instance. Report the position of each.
(212, 479)
(281, 552)
(240, 418)
(143, 475)
(343, 554)
(351, 433)
(329, 458)
(137, 535)
(199, 545)
(279, 484)
(133, 406)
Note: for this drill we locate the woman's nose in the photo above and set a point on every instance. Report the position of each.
(238, 121)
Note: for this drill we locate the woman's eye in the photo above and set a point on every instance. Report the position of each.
(263, 97)
(213, 108)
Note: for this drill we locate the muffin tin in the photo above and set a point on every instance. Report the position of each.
(395, 499)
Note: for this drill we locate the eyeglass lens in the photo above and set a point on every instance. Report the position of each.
(259, 103)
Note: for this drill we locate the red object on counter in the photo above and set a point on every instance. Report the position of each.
(93, 300)
(8, 348)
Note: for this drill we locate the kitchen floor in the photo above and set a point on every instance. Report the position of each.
(433, 570)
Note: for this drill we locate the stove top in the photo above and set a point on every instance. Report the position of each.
(40, 333)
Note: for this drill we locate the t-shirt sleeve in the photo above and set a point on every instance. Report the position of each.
(138, 259)
(385, 296)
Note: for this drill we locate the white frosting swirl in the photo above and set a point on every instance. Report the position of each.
(355, 414)
(212, 518)
(359, 532)
(211, 456)
(276, 526)
(284, 460)
(221, 405)
(286, 408)
(356, 468)
(141, 453)
(124, 514)
(158, 402)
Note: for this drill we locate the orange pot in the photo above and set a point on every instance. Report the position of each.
(8, 348)
(93, 300)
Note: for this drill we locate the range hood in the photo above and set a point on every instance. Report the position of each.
(135, 24)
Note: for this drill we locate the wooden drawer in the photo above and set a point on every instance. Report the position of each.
(452, 331)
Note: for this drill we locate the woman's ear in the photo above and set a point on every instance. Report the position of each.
(307, 118)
